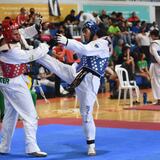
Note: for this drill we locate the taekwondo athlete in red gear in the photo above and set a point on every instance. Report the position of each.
(94, 59)
(18, 100)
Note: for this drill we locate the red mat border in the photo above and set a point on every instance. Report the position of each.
(100, 123)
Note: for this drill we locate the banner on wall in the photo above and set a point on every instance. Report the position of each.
(54, 9)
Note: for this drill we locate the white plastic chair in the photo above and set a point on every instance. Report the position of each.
(117, 66)
(125, 84)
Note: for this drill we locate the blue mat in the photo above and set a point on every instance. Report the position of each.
(63, 142)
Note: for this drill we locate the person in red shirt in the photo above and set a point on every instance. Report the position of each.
(22, 18)
(134, 18)
(59, 52)
(70, 57)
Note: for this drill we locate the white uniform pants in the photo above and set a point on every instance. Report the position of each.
(155, 79)
(18, 101)
(86, 91)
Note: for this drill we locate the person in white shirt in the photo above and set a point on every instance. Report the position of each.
(143, 41)
(85, 17)
(85, 76)
(18, 100)
(155, 64)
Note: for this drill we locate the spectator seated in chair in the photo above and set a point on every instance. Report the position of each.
(143, 71)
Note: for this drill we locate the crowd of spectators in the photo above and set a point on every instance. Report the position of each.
(130, 37)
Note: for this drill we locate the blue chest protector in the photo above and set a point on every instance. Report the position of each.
(93, 63)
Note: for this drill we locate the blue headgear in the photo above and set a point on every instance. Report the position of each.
(92, 26)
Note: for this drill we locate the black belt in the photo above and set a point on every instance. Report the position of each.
(152, 59)
(93, 72)
(81, 75)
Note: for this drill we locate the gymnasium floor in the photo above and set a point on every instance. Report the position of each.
(108, 110)
(122, 134)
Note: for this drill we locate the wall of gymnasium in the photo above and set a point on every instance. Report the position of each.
(145, 10)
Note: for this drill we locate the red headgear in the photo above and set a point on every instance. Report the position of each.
(8, 25)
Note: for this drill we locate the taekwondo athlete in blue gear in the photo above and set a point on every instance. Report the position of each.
(85, 76)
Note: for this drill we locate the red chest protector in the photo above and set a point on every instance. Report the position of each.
(12, 70)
